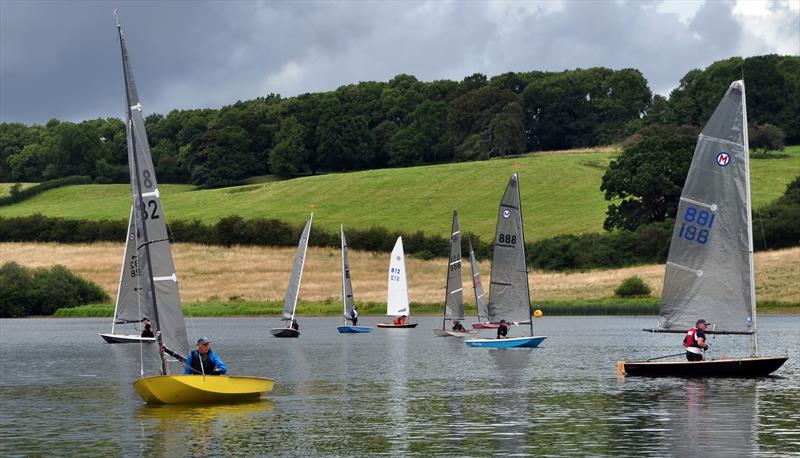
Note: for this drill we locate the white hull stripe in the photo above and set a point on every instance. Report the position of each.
(697, 272)
(722, 141)
(172, 277)
(712, 207)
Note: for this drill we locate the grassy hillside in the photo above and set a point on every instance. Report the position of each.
(560, 194)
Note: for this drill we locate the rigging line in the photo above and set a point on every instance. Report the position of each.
(152, 242)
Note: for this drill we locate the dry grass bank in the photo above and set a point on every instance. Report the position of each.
(261, 274)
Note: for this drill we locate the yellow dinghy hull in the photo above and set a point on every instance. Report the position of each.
(199, 389)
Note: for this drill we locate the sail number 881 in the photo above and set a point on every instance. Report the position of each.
(696, 225)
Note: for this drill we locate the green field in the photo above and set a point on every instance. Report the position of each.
(560, 195)
(607, 306)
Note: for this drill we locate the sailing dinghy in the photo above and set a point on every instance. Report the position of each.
(157, 281)
(509, 294)
(477, 288)
(709, 271)
(127, 308)
(347, 292)
(397, 289)
(293, 290)
(454, 292)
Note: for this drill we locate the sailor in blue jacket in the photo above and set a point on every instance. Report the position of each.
(203, 360)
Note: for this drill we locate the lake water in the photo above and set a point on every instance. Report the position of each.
(397, 392)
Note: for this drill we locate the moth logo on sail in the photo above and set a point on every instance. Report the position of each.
(723, 159)
(506, 213)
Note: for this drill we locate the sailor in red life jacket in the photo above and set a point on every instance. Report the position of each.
(695, 341)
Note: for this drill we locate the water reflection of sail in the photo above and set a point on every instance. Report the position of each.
(511, 423)
(178, 430)
(398, 393)
(711, 418)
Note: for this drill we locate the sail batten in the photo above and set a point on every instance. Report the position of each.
(397, 289)
(509, 296)
(153, 248)
(477, 286)
(293, 290)
(454, 292)
(348, 301)
(709, 270)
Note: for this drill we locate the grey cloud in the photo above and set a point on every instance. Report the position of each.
(61, 59)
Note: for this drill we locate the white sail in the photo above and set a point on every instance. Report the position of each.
(293, 290)
(397, 295)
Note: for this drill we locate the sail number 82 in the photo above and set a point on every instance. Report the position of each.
(696, 225)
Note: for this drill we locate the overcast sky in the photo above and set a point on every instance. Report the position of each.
(61, 59)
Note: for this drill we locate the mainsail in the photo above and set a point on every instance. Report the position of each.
(128, 308)
(509, 297)
(709, 272)
(158, 283)
(347, 287)
(454, 292)
(293, 291)
(477, 286)
(397, 291)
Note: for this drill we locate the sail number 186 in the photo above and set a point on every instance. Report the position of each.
(696, 225)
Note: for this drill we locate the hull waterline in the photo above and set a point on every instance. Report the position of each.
(199, 389)
(397, 326)
(734, 367)
(515, 342)
(126, 338)
(284, 332)
(485, 325)
(353, 329)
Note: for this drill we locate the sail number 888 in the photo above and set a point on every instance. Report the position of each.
(696, 225)
(507, 238)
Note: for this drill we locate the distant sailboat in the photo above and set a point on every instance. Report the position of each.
(397, 289)
(509, 295)
(477, 288)
(127, 308)
(158, 282)
(293, 290)
(454, 291)
(348, 302)
(709, 272)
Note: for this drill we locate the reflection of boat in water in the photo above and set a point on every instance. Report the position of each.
(509, 295)
(190, 414)
(709, 271)
(293, 290)
(158, 290)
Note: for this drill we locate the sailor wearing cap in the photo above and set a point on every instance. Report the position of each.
(695, 341)
(203, 361)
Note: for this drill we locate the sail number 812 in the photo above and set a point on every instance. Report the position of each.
(696, 225)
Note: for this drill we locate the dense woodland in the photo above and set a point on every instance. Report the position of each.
(401, 122)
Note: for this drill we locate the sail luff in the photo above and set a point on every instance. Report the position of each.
(158, 280)
(709, 271)
(348, 301)
(748, 206)
(296, 277)
(397, 283)
(509, 296)
(477, 286)
(454, 291)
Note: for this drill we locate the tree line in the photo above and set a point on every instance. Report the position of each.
(402, 122)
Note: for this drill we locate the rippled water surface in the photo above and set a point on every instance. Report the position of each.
(397, 392)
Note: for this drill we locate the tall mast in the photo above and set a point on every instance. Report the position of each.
(344, 290)
(525, 253)
(138, 187)
(748, 209)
